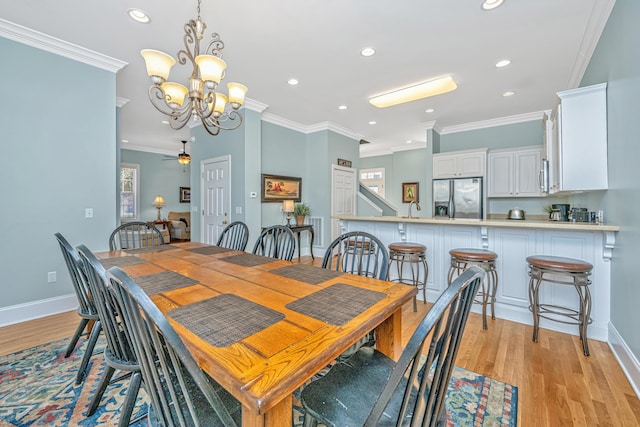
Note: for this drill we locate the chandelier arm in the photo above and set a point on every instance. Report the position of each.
(234, 118)
(215, 46)
(191, 46)
(178, 121)
(157, 98)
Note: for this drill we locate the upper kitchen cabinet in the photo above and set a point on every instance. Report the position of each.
(515, 173)
(576, 141)
(460, 164)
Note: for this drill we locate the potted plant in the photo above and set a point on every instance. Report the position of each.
(300, 210)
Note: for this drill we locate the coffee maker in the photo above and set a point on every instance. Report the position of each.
(564, 211)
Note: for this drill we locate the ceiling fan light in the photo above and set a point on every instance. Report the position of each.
(237, 93)
(184, 158)
(174, 94)
(158, 64)
(412, 93)
(211, 69)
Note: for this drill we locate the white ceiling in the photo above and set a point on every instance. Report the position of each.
(318, 42)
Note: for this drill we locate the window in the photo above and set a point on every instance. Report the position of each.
(373, 179)
(129, 191)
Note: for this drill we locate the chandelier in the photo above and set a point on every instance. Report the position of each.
(184, 158)
(201, 100)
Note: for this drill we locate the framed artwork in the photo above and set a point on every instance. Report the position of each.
(185, 194)
(410, 192)
(345, 163)
(276, 188)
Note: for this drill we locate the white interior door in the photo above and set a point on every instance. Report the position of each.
(343, 195)
(216, 197)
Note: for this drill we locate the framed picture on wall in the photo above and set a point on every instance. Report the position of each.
(410, 192)
(185, 194)
(345, 163)
(276, 188)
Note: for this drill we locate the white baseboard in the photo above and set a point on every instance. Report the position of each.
(36, 309)
(626, 359)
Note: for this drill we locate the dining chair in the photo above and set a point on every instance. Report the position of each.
(86, 306)
(180, 393)
(276, 241)
(363, 254)
(358, 252)
(134, 235)
(234, 236)
(118, 354)
(371, 389)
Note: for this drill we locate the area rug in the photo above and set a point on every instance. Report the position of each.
(37, 388)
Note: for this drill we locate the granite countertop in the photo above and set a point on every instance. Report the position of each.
(528, 223)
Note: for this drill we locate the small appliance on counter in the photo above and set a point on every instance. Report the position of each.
(579, 215)
(564, 211)
(515, 214)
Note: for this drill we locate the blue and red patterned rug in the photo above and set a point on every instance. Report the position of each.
(37, 388)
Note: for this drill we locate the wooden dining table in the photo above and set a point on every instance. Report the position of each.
(263, 327)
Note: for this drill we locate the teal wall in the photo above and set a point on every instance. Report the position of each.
(616, 61)
(494, 138)
(60, 158)
(159, 176)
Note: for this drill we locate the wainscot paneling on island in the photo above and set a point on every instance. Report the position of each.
(513, 241)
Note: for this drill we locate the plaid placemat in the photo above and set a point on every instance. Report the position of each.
(150, 249)
(225, 319)
(162, 282)
(209, 250)
(248, 260)
(336, 304)
(307, 273)
(121, 261)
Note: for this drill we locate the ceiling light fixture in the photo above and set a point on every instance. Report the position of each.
(368, 51)
(200, 100)
(184, 158)
(509, 93)
(411, 93)
(342, 107)
(491, 4)
(293, 82)
(138, 16)
(372, 122)
(503, 63)
(429, 110)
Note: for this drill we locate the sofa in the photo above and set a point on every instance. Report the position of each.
(180, 225)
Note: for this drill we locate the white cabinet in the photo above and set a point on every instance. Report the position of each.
(515, 173)
(576, 140)
(459, 164)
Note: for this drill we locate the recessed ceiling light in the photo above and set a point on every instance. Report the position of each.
(509, 93)
(491, 4)
(503, 63)
(293, 82)
(125, 140)
(342, 107)
(372, 122)
(368, 51)
(411, 93)
(139, 16)
(165, 122)
(429, 110)
(409, 142)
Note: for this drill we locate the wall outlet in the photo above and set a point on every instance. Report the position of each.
(88, 213)
(239, 209)
(51, 277)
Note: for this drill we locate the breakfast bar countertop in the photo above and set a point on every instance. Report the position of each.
(526, 223)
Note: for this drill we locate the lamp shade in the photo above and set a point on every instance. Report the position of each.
(158, 202)
(158, 63)
(237, 92)
(287, 206)
(211, 68)
(221, 102)
(174, 93)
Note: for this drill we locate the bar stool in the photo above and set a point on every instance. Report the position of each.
(561, 271)
(415, 255)
(461, 259)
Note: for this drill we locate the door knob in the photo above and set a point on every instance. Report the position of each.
(224, 222)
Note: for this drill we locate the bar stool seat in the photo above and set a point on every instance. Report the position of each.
(463, 258)
(415, 255)
(561, 271)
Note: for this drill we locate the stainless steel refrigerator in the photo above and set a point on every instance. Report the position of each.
(457, 198)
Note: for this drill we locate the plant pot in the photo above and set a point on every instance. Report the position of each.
(299, 220)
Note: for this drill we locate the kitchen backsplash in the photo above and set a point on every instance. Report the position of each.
(535, 205)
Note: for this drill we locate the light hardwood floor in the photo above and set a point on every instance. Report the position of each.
(557, 384)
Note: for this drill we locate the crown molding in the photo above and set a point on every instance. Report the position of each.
(318, 127)
(501, 121)
(120, 102)
(285, 123)
(595, 26)
(39, 40)
(253, 105)
(153, 150)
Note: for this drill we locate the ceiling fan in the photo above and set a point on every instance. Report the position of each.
(183, 158)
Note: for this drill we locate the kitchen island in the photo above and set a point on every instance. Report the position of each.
(513, 241)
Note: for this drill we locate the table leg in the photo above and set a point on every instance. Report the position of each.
(389, 335)
(311, 242)
(298, 233)
(278, 416)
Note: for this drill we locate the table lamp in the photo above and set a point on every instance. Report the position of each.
(159, 202)
(287, 207)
